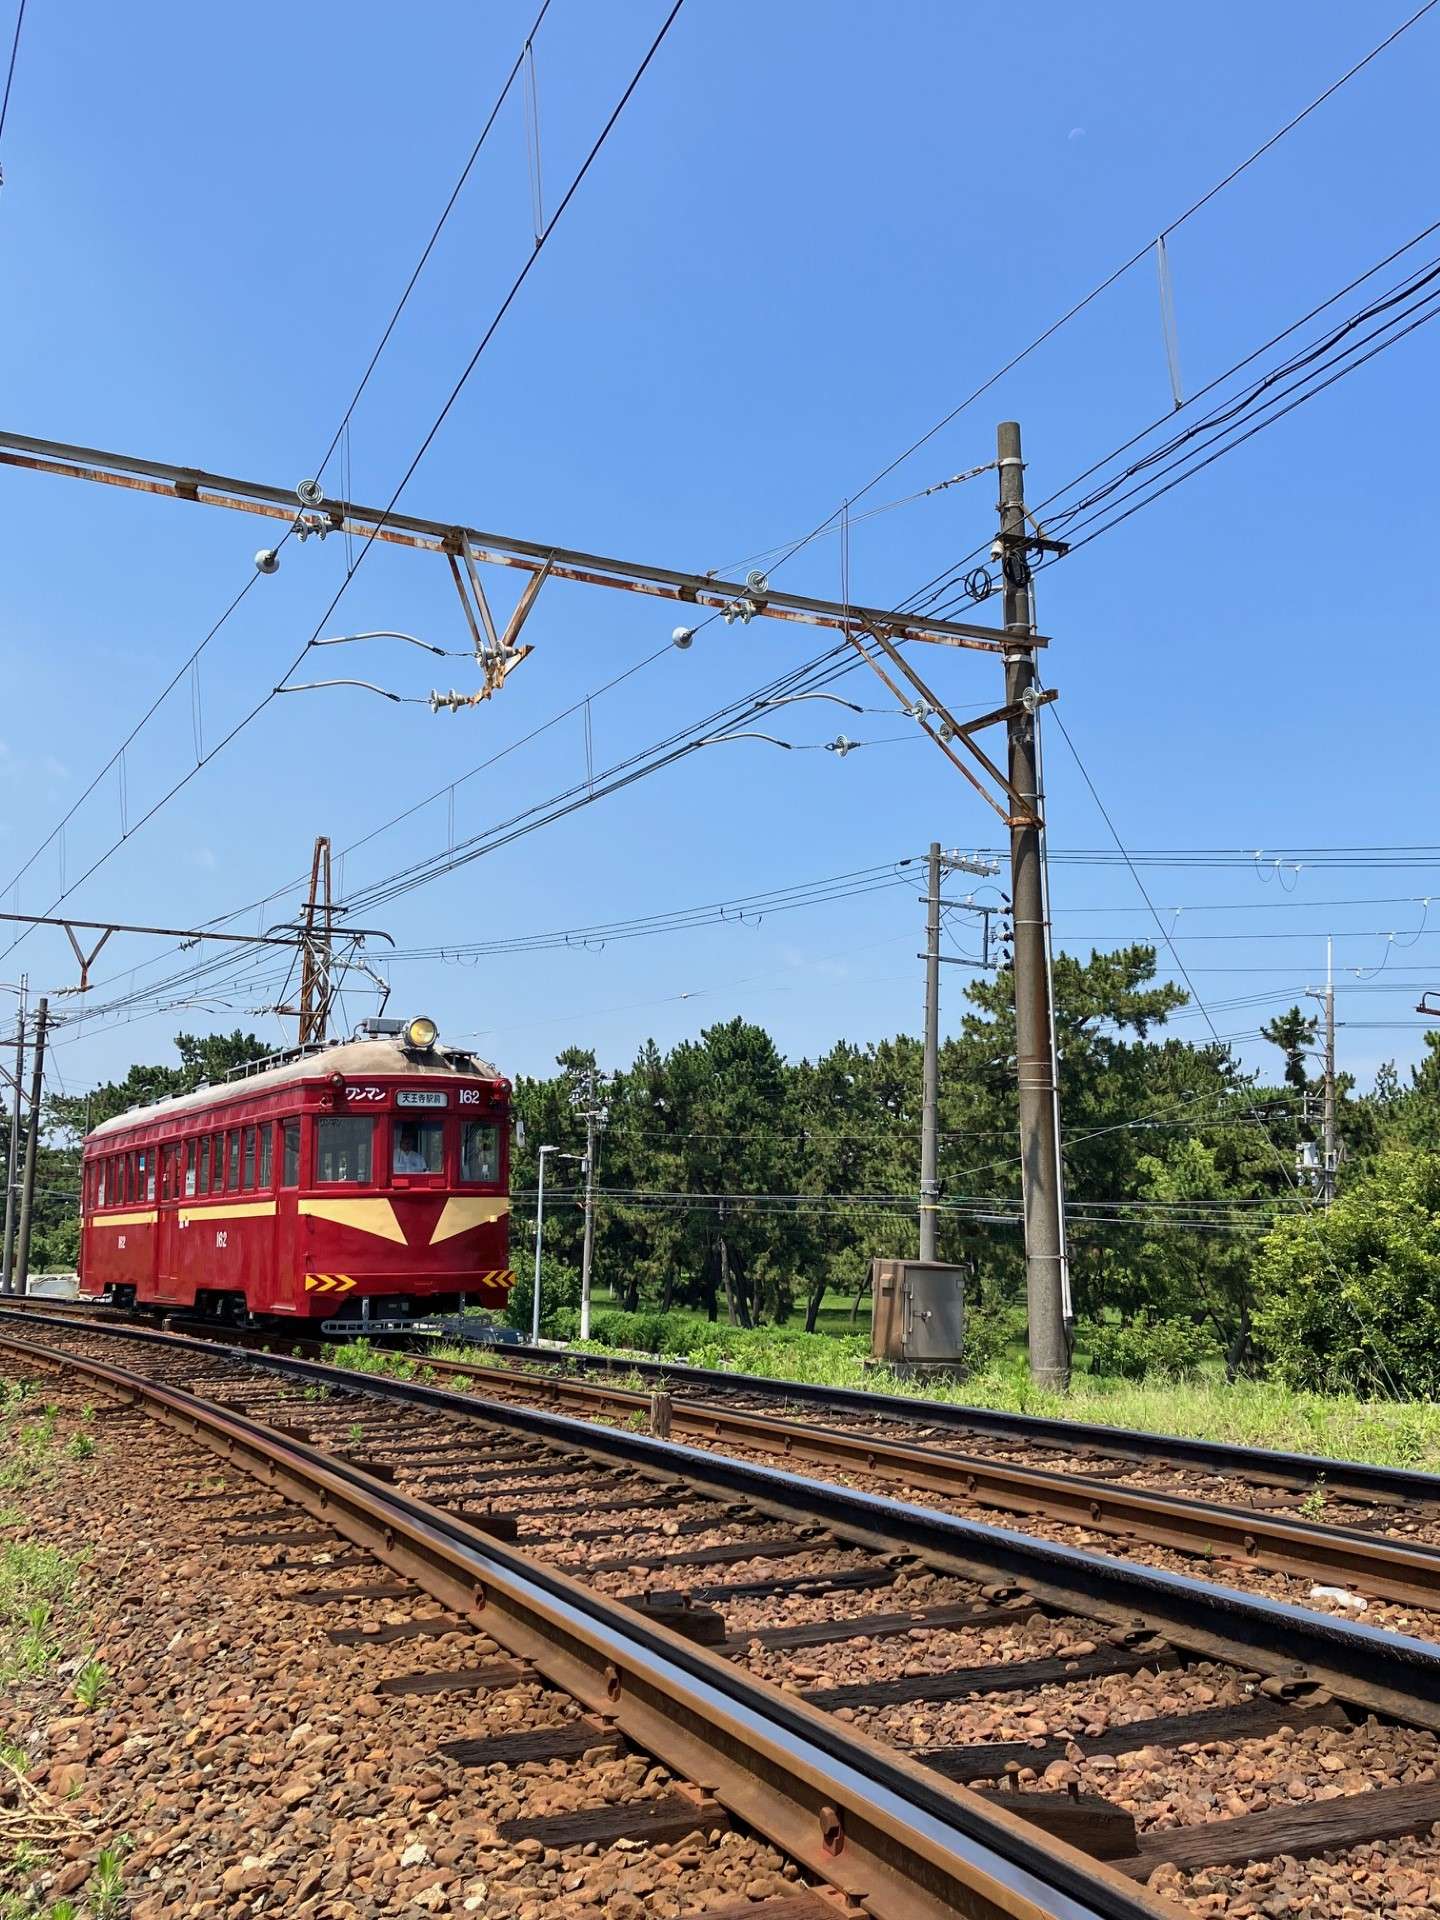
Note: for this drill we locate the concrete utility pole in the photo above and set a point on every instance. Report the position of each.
(1047, 1277)
(587, 1249)
(1329, 1142)
(1332, 1145)
(32, 1144)
(595, 1116)
(539, 1243)
(930, 1096)
(939, 863)
(12, 1156)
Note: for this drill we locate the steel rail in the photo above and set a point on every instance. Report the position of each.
(1389, 1569)
(1348, 1479)
(1378, 1671)
(880, 1827)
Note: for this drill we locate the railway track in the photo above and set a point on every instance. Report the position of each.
(1050, 1698)
(1174, 1460)
(1382, 1546)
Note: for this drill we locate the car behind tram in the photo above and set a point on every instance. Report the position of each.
(362, 1181)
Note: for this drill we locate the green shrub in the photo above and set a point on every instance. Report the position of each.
(988, 1334)
(559, 1291)
(1145, 1348)
(1351, 1298)
(658, 1333)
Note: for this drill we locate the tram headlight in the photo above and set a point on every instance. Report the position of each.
(421, 1033)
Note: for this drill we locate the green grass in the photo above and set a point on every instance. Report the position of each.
(90, 1684)
(1251, 1412)
(34, 1580)
(106, 1890)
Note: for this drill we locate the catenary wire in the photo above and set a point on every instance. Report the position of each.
(1116, 274)
(374, 531)
(10, 69)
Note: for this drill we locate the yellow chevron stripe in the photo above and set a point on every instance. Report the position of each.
(328, 1283)
(459, 1216)
(366, 1216)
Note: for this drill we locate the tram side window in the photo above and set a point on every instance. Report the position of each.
(146, 1184)
(248, 1182)
(290, 1153)
(344, 1148)
(203, 1183)
(480, 1151)
(267, 1142)
(192, 1157)
(232, 1177)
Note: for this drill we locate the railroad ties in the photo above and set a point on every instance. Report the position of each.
(1161, 1748)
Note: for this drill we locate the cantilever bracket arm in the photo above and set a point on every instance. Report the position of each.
(84, 960)
(524, 604)
(476, 640)
(1012, 712)
(1023, 814)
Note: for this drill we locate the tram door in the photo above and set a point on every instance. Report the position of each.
(171, 1197)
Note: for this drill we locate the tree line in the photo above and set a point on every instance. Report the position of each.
(743, 1185)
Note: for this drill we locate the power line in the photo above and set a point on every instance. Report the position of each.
(1344, 359)
(1305, 1211)
(374, 531)
(745, 909)
(438, 229)
(1116, 274)
(10, 70)
(934, 591)
(188, 664)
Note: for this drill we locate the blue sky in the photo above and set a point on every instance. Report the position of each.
(814, 230)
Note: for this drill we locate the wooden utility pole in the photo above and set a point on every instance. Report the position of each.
(12, 1157)
(32, 1145)
(316, 954)
(1047, 1280)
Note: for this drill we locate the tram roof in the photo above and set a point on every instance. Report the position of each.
(364, 1058)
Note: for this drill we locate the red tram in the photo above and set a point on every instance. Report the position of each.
(365, 1180)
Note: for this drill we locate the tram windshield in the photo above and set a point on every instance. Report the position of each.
(418, 1147)
(344, 1148)
(480, 1151)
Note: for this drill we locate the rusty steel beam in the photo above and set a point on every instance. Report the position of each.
(868, 1821)
(202, 488)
